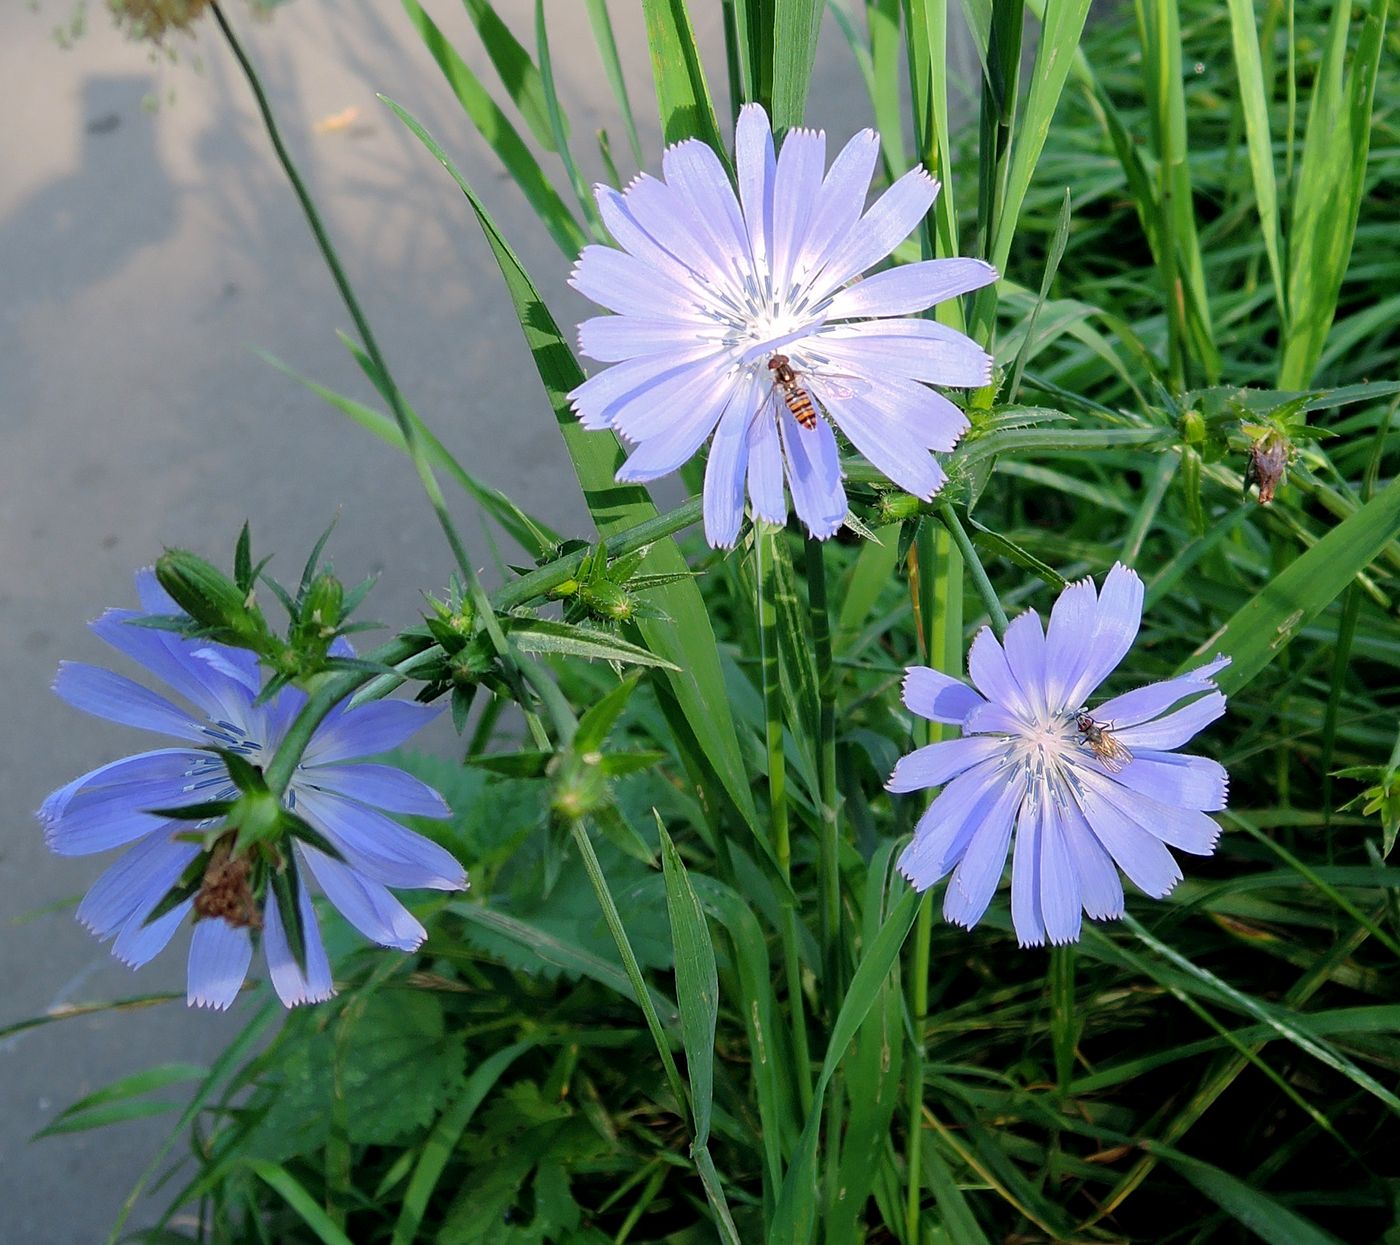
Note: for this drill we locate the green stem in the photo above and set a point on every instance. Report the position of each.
(408, 426)
(826, 773)
(938, 597)
(766, 580)
(995, 614)
(594, 870)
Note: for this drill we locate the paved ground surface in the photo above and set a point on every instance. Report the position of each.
(142, 256)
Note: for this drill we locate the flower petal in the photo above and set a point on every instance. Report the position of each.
(611, 339)
(1177, 779)
(1142, 856)
(379, 847)
(1024, 646)
(1100, 886)
(796, 190)
(974, 882)
(917, 350)
(134, 884)
(292, 985)
(367, 730)
(672, 423)
(725, 468)
(695, 174)
(839, 202)
(622, 215)
(1116, 622)
(756, 167)
(934, 764)
(1145, 703)
(106, 694)
(991, 675)
(882, 430)
(937, 696)
(598, 399)
(140, 943)
(143, 781)
(1060, 896)
(171, 659)
(1173, 730)
(814, 475)
(218, 964)
(367, 905)
(384, 786)
(948, 824)
(766, 467)
(891, 219)
(1026, 917)
(625, 284)
(911, 287)
(1071, 622)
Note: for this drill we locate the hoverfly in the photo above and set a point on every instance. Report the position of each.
(1098, 738)
(798, 400)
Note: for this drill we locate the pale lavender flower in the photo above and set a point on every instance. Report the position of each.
(1085, 789)
(347, 800)
(709, 287)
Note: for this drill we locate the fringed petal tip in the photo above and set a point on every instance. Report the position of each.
(214, 1004)
(304, 998)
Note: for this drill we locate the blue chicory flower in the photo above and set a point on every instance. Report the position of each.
(346, 799)
(711, 290)
(1086, 790)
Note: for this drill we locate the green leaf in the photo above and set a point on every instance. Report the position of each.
(281, 1181)
(1254, 102)
(697, 982)
(1268, 622)
(682, 94)
(1331, 177)
(519, 76)
(612, 66)
(541, 635)
(500, 135)
(112, 1104)
(1257, 1211)
(795, 27)
(442, 1142)
(794, 1217)
(397, 1060)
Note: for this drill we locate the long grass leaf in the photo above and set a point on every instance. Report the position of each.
(794, 1217)
(682, 93)
(1262, 627)
(495, 127)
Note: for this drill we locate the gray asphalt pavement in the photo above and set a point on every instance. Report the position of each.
(143, 255)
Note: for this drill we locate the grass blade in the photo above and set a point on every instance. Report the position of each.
(1265, 624)
(495, 127)
(682, 94)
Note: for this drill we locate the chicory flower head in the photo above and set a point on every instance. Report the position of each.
(345, 799)
(1086, 790)
(735, 313)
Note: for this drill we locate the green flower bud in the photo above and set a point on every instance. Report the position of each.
(219, 607)
(609, 600)
(322, 607)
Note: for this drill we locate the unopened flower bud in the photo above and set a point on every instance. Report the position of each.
(608, 600)
(211, 598)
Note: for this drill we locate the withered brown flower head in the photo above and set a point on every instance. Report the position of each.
(154, 19)
(1268, 463)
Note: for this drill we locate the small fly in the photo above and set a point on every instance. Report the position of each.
(1098, 738)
